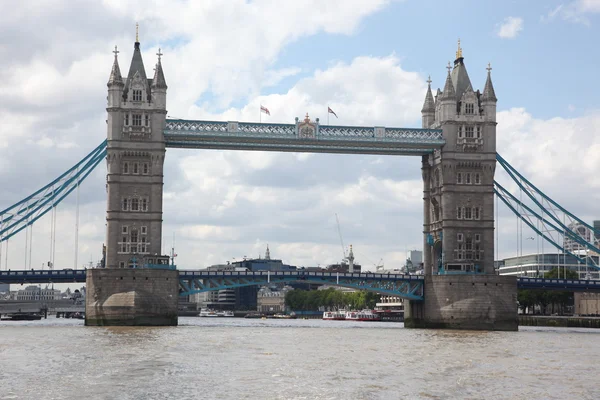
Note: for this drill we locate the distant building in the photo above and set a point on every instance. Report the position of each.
(4, 288)
(536, 265)
(242, 298)
(584, 232)
(271, 299)
(37, 293)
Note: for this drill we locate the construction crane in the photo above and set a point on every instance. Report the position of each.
(340, 233)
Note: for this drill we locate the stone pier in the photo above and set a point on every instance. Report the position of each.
(131, 297)
(477, 302)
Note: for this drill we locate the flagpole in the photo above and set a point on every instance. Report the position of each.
(260, 114)
(327, 115)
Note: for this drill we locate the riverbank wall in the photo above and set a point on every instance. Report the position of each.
(560, 321)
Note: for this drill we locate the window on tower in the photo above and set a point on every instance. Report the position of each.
(468, 214)
(126, 119)
(469, 108)
(137, 119)
(478, 132)
(144, 204)
(135, 204)
(468, 132)
(477, 179)
(459, 178)
(125, 205)
(125, 167)
(145, 169)
(136, 169)
(137, 95)
(146, 120)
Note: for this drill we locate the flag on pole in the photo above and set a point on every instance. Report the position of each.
(330, 111)
(265, 110)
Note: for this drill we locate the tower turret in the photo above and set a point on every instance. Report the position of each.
(267, 254)
(448, 99)
(159, 85)
(115, 83)
(488, 99)
(428, 110)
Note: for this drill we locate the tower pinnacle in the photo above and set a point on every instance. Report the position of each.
(488, 90)
(115, 73)
(459, 51)
(137, 32)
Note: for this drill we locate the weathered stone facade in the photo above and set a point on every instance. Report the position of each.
(458, 180)
(147, 297)
(478, 302)
(125, 293)
(135, 157)
(461, 290)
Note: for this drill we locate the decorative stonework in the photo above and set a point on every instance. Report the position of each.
(307, 129)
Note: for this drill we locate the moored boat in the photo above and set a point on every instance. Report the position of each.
(207, 313)
(334, 315)
(225, 314)
(363, 315)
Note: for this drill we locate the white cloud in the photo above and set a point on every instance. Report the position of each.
(510, 27)
(576, 11)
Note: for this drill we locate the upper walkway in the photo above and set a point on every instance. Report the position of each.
(303, 136)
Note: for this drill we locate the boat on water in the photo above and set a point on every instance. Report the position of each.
(339, 315)
(363, 315)
(225, 314)
(207, 313)
(22, 317)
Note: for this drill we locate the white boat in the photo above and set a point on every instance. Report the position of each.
(363, 315)
(207, 313)
(334, 315)
(225, 314)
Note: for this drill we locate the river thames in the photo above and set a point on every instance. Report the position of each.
(210, 358)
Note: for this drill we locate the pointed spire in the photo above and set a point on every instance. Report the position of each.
(159, 77)
(115, 74)
(488, 91)
(429, 104)
(267, 254)
(137, 66)
(449, 92)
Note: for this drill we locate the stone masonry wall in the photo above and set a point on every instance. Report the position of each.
(478, 302)
(143, 297)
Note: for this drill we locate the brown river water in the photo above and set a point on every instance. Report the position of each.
(230, 358)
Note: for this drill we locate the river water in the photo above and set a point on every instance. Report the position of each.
(230, 358)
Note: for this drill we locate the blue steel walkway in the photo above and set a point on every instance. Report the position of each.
(197, 281)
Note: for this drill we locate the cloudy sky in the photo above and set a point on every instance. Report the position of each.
(366, 59)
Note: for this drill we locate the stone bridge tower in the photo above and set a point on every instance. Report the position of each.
(461, 288)
(135, 157)
(137, 287)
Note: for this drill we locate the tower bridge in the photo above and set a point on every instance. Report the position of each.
(457, 150)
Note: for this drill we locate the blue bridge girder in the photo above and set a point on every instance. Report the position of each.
(288, 137)
(197, 281)
(406, 286)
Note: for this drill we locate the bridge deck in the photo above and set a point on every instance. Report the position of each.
(195, 281)
(317, 138)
